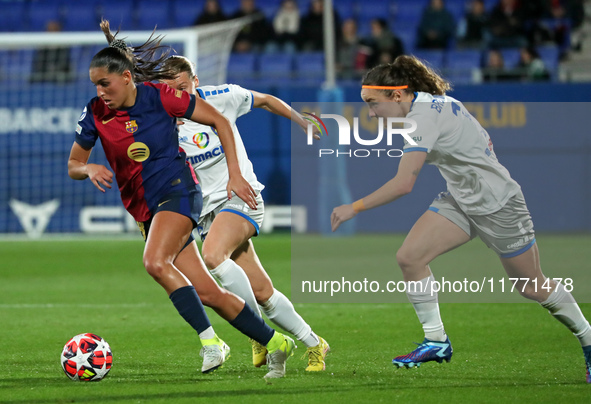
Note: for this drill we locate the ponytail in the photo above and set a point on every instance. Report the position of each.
(140, 61)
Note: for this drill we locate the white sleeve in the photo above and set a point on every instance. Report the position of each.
(426, 134)
(241, 99)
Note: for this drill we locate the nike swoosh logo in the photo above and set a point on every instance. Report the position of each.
(162, 203)
(106, 122)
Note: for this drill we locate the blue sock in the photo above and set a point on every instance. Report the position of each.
(189, 306)
(252, 326)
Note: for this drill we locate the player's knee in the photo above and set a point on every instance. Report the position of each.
(263, 291)
(530, 291)
(156, 267)
(406, 259)
(213, 257)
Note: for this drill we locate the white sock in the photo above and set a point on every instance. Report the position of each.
(427, 307)
(207, 334)
(562, 305)
(233, 278)
(281, 311)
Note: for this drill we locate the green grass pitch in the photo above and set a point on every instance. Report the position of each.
(53, 290)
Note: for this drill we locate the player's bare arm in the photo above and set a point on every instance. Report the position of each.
(79, 169)
(402, 184)
(281, 108)
(206, 114)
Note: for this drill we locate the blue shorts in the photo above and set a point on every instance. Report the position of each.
(187, 202)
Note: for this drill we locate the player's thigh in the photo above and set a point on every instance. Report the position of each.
(246, 257)
(233, 223)
(227, 232)
(525, 268)
(524, 265)
(431, 236)
(169, 231)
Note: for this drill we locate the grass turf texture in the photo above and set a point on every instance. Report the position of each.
(53, 290)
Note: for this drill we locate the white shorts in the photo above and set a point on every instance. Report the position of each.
(237, 206)
(508, 231)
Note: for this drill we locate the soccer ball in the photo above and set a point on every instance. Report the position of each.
(87, 357)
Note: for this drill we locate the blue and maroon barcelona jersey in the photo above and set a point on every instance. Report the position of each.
(141, 144)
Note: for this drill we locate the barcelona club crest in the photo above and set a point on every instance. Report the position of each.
(131, 126)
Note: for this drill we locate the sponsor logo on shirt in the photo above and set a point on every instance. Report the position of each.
(201, 139)
(138, 151)
(83, 115)
(130, 126)
(206, 156)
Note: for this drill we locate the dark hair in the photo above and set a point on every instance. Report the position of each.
(140, 61)
(177, 64)
(533, 52)
(407, 71)
(382, 23)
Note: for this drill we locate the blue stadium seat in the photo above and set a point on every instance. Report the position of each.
(461, 64)
(463, 59)
(407, 32)
(81, 57)
(409, 40)
(16, 65)
(229, 7)
(345, 9)
(549, 55)
(490, 4)
(275, 67)
(13, 16)
(459, 77)
(309, 67)
(457, 9)
(242, 66)
(270, 7)
(364, 28)
(511, 57)
(120, 13)
(41, 13)
(410, 11)
(435, 58)
(185, 13)
(153, 13)
(80, 17)
(370, 9)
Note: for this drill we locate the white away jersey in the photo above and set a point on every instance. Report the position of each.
(461, 149)
(204, 149)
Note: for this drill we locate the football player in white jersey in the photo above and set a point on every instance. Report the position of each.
(226, 220)
(481, 200)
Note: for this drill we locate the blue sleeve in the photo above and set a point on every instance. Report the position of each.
(190, 108)
(86, 133)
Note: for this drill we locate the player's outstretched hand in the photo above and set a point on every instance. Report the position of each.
(98, 175)
(243, 190)
(315, 132)
(341, 214)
